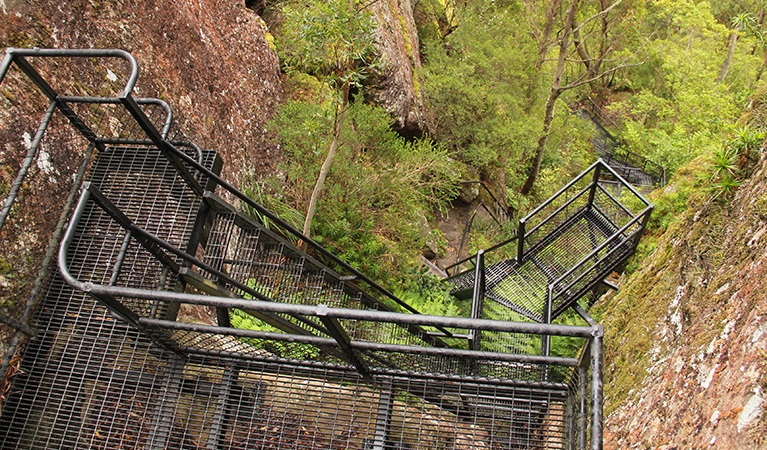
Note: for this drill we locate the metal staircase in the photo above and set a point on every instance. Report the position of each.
(563, 249)
(336, 361)
(634, 168)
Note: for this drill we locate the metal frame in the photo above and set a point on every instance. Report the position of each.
(447, 352)
(542, 226)
(617, 155)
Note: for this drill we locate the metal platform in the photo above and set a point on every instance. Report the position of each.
(632, 167)
(563, 249)
(336, 362)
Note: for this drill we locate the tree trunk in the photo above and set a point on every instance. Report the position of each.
(728, 58)
(548, 118)
(554, 93)
(760, 72)
(543, 48)
(338, 123)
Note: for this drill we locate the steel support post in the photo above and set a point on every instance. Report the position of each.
(218, 426)
(597, 398)
(583, 387)
(595, 183)
(383, 416)
(546, 338)
(477, 301)
(163, 415)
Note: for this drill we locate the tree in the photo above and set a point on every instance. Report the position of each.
(332, 41)
(573, 51)
(740, 23)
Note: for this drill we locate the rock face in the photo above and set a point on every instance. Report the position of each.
(209, 59)
(686, 337)
(396, 88)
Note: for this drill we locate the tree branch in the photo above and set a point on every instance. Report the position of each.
(581, 82)
(597, 15)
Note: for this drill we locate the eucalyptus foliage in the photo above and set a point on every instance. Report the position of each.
(328, 39)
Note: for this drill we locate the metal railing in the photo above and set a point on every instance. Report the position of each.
(499, 213)
(19, 320)
(139, 378)
(182, 161)
(536, 225)
(630, 165)
(573, 240)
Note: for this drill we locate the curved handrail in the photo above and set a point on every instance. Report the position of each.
(56, 104)
(116, 101)
(16, 55)
(158, 247)
(99, 290)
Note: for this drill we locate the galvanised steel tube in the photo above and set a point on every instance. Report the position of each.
(289, 308)
(12, 54)
(557, 211)
(116, 101)
(362, 345)
(322, 310)
(26, 164)
(615, 200)
(597, 393)
(625, 183)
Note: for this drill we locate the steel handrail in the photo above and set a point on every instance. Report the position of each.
(89, 191)
(17, 55)
(97, 289)
(641, 162)
(562, 190)
(523, 222)
(596, 250)
(116, 101)
(109, 293)
(557, 211)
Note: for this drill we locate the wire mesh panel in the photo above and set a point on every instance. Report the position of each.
(82, 367)
(565, 247)
(43, 161)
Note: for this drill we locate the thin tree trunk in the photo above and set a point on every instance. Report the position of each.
(728, 58)
(543, 48)
(548, 118)
(312, 209)
(554, 93)
(760, 72)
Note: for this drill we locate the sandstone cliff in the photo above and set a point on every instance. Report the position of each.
(686, 336)
(209, 59)
(397, 87)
